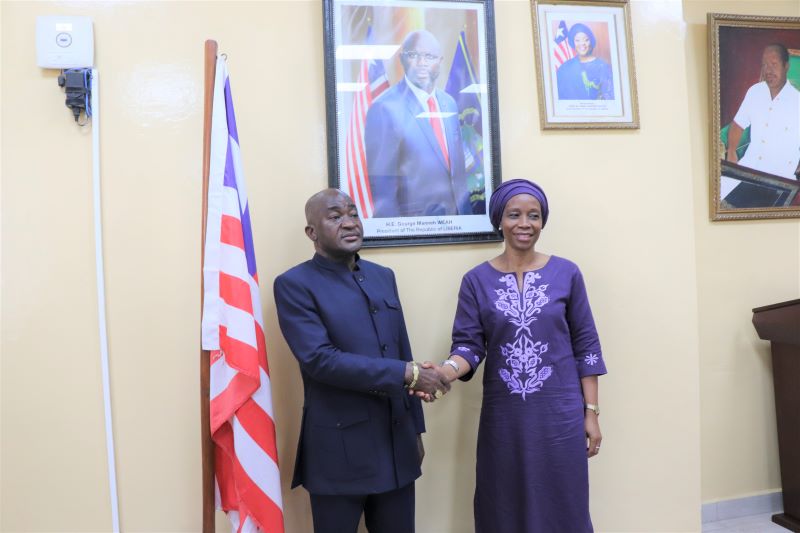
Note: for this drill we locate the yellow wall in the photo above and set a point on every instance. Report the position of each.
(740, 265)
(629, 207)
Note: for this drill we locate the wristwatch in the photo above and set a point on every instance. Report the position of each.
(592, 407)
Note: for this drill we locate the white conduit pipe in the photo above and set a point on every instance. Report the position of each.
(101, 301)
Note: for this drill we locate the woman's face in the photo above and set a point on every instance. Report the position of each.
(583, 44)
(522, 222)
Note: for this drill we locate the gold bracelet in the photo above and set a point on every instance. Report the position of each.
(414, 374)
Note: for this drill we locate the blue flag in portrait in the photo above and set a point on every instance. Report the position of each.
(463, 86)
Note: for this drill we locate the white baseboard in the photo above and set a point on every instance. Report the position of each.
(771, 502)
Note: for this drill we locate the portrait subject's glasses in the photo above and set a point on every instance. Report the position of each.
(414, 56)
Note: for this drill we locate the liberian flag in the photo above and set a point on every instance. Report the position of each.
(248, 482)
(373, 82)
(562, 51)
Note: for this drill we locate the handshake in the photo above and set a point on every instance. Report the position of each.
(429, 381)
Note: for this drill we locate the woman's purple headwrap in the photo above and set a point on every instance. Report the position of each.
(509, 189)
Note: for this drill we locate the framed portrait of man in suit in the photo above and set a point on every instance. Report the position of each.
(755, 116)
(412, 117)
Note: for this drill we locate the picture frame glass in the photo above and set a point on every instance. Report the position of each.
(585, 65)
(412, 125)
(755, 105)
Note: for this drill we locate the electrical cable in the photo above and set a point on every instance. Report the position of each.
(94, 109)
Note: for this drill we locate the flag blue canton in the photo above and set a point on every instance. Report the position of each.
(562, 33)
(376, 70)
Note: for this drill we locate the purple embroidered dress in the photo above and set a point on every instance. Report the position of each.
(532, 470)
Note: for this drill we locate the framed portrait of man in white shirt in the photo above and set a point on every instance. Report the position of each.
(755, 116)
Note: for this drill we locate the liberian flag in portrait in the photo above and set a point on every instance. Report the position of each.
(248, 483)
(562, 51)
(372, 82)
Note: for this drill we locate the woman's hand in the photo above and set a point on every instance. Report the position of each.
(445, 377)
(590, 422)
(592, 426)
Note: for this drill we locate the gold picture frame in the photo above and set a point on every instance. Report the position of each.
(591, 85)
(763, 184)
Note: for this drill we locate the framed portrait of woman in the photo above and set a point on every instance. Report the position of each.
(584, 64)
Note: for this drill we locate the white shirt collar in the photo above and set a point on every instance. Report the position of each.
(785, 90)
(421, 95)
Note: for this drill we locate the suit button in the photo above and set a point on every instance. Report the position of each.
(384, 347)
(360, 278)
(338, 424)
(374, 310)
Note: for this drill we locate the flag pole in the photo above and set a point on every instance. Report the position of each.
(206, 445)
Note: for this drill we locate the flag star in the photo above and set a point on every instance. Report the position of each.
(560, 32)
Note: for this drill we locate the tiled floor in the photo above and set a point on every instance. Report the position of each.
(759, 523)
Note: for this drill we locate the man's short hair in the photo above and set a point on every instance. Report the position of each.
(782, 51)
(410, 41)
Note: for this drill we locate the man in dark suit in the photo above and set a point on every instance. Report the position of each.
(415, 157)
(360, 448)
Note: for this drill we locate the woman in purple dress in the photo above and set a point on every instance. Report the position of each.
(527, 315)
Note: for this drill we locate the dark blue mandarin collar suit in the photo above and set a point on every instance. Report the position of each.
(347, 331)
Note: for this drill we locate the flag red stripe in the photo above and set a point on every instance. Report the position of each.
(355, 136)
(238, 354)
(356, 159)
(376, 90)
(224, 468)
(232, 231)
(236, 339)
(259, 426)
(235, 395)
(362, 152)
(261, 509)
(235, 292)
(252, 501)
(262, 350)
(352, 170)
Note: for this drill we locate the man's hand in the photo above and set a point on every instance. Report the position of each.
(430, 380)
(431, 384)
(441, 382)
(734, 136)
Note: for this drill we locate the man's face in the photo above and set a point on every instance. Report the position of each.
(774, 69)
(421, 61)
(335, 227)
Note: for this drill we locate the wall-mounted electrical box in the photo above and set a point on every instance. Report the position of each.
(64, 42)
